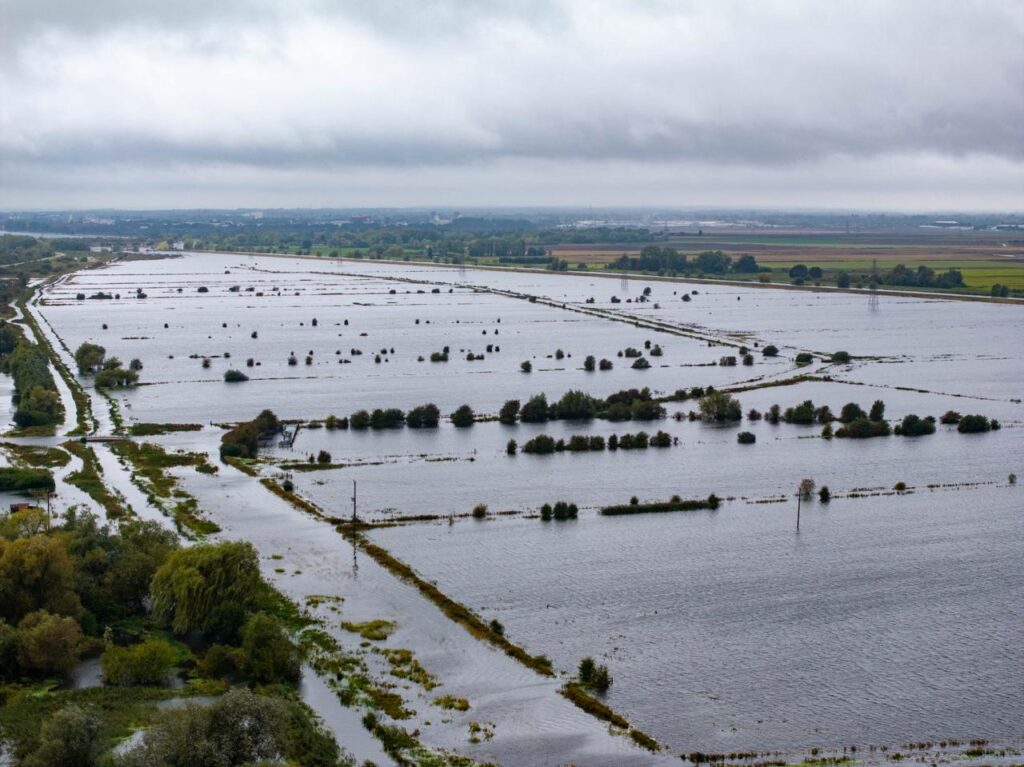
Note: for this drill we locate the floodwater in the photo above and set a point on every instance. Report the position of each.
(887, 618)
(884, 619)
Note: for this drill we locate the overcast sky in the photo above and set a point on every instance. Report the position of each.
(902, 105)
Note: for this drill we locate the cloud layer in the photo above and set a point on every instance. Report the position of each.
(914, 104)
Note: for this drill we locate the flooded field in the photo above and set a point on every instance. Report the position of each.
(890, 617)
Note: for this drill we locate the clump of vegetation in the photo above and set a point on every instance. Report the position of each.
(560, 511)
(145, 663)
(15, 480)
(720, 406)
(235, 376)
(107, 371)
(452, 703)
(863, 428)
(375, 630)
(422, 417)
(37, 402)
(509, 412)
(593, 676)
(915, 426)
(975, 424)
(244, 440)
(746, 438)
(463, 416)
(770, 351)
(393, 418)
(675, 503)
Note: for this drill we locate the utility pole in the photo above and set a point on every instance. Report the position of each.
(799, 498)
(353, 503)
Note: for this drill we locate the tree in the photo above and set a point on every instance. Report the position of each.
(746, 438)
(463, 416)
(842, 280)
(268, 654)
(89, 357)
(770, 351)
(589, 363)
(913, 425)
(798, 272)
(746, 264)
(973, 424)
(805, 489)
(509, 412)
(526, 366)
(48, 643)
(37, 574)
(877, 411)
(193, 581)
(720, 406)
(235, 376)
(575, 404)
(422, 417)
(535, 410)
(69, 738)
(851, 412)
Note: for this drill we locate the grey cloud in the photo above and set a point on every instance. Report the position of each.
(435, 86)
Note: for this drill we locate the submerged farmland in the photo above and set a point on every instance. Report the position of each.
(891, 616)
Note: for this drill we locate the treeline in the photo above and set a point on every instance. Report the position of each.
(544, 444)
(37, 401)
(462, 238)
(624, 405)
(668, 260)
(858, 424)
(922, 277)
(132, 597)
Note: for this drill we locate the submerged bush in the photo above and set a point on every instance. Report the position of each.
(542, 444)
(863, 428)
(422, 417)
(973, 424)
(509, 412)
(392, 417)
(235, 376)
(746, 438)
(463, 416)
(915, 426)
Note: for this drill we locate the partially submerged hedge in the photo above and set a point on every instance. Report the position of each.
(673, 504)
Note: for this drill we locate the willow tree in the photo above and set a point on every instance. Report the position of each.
(194, 581)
